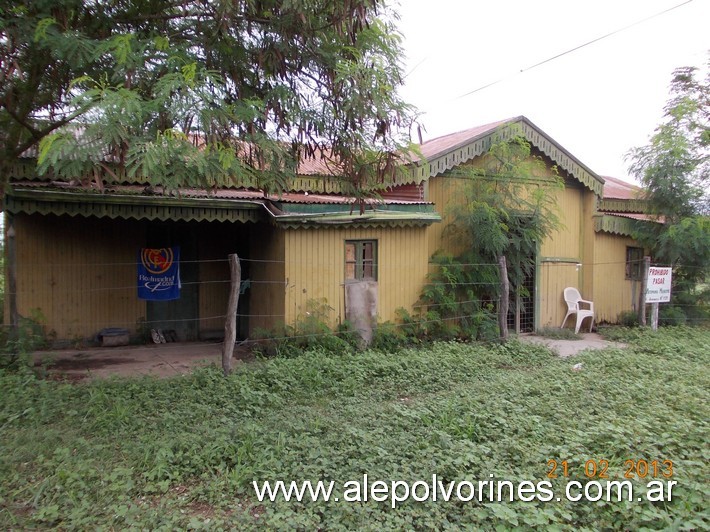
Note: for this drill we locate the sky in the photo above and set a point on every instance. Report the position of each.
(598, 102)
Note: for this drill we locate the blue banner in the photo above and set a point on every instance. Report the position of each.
(159, 274)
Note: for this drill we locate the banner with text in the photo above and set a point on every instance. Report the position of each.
(159, 274)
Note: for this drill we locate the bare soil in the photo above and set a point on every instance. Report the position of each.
(159, 360)
(171, 359)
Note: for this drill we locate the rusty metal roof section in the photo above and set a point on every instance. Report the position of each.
(622, 197)
(224, 205)
(443, 153)
(622, 205)
(618, 189)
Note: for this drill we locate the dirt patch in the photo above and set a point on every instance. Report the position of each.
(159, 360)
(83, 363)
(566, 348)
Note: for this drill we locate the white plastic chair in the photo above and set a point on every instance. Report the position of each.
(573, 299)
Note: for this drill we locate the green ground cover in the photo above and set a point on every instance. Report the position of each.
(183, 452)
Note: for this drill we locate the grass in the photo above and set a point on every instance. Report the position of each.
(183, 452)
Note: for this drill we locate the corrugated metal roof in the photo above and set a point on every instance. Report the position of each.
(440, 145)
(444, 153)
(223, 194)
(633, 216)
(615, 188)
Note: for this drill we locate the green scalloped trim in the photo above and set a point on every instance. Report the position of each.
(613, 224)
(559, 155)
(131, 207)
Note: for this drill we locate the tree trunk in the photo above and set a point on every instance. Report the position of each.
(230, 326)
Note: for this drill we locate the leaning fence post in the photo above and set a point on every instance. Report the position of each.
(642, 295)
(504, 297)
(230, 325)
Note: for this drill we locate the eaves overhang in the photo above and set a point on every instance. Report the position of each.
(346, 219)
(168, 208)
(620, 224)
(463, 148)
(132, 207)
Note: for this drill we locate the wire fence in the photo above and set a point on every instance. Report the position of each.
(102, 299)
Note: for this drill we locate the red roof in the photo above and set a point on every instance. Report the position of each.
(229, 194)
(617, 189)
(432, 148)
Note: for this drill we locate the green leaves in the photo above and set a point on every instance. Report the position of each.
(183, 452)
(298, 73)
(675, 169)
(505, 207)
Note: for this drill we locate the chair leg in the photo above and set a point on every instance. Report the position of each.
(565, 320)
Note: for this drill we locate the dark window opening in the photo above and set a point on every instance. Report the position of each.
(634, 263)
(361, 260)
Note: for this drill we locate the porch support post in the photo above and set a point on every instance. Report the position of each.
(642, 295)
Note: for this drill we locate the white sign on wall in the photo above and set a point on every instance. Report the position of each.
(658, 289)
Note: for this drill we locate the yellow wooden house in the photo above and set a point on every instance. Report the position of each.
(73, 249)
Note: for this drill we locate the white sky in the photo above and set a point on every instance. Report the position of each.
(597, 102)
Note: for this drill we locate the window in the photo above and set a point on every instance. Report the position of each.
(634, 263)
(360, 260)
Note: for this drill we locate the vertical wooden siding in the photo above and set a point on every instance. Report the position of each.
(613, 293)
(559, 254)
(216, 241)
(315, 268)
(565, 242)
(268, 275)
(554, 277)
(78, 273)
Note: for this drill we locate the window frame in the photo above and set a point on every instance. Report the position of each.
(634, 263)
(360, 264)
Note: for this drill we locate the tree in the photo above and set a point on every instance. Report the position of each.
(202, 93)
(674, 167)
(506, 208)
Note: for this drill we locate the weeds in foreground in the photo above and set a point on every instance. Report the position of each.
(182, 453)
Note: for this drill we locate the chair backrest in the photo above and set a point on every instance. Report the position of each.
(572, 296)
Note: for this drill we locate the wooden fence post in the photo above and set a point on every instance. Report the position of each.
(11, 257)
(642, 295)
(654, 316)
(230, 325)
(504, 298)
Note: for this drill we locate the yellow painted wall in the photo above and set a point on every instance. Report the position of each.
(612, 292)
(268, 275)
(216, 241)
(553, 278)
(566, 257)
(80, 273)
(571, 244)
(565, 242)
(315, 268)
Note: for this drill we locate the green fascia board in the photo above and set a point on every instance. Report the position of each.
(369, 219)
(480, 144)
(136, 207)
(614, 224)
(623, 205)
(336, 208)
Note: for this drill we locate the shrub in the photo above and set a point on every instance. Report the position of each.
(628, 318)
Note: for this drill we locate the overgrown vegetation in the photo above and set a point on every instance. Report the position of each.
(202, 94)
(182, 453)
(506, 209)
(310, 330)
(674, 167)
